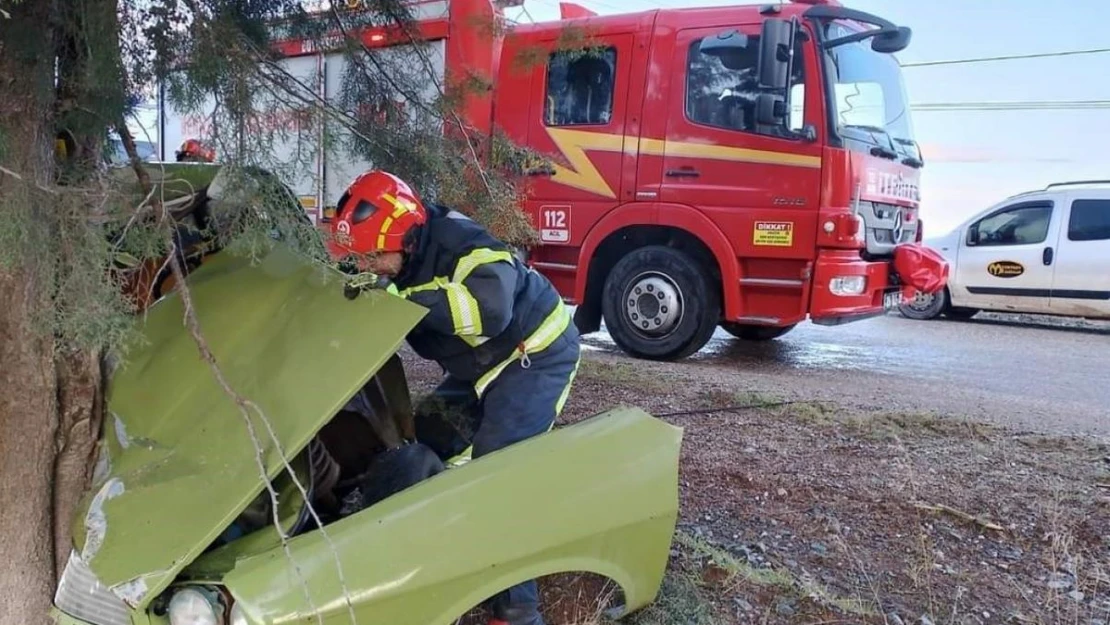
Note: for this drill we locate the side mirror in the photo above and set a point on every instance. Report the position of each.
(973, 236)
(770, 109)
(891, 41)
(775, 46)
(727, 46)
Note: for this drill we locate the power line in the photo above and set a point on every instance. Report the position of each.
(1045, 105)
(1011, 57)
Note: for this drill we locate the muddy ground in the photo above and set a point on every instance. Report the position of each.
(813, 512)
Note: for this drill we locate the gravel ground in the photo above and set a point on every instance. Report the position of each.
(855, 512)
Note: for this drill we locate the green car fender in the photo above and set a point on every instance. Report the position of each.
(600, 496)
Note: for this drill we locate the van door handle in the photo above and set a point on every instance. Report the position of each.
(1047, 256)
(685, 172)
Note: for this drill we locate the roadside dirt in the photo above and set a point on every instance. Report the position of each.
(818, 513)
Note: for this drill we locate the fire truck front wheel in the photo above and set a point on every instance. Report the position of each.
(749, 332)
(659, 303)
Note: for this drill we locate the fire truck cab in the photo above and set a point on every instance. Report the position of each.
(738, 167)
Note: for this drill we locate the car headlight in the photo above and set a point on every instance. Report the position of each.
(193, 607)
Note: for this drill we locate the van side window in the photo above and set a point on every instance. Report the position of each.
(1024, 224)
(1090, 220)
(725, 97)
(580, 85)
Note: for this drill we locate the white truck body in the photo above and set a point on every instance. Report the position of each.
(316, 174)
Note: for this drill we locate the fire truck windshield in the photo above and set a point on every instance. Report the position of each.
(870, 102)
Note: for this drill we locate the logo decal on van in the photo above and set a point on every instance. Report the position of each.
(1005, 269)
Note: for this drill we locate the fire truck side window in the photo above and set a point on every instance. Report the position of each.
(725, 98)
(580, 86)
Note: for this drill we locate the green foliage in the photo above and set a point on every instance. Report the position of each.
(574, 42)
(97, 243)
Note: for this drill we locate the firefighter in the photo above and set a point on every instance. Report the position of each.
(499, 330)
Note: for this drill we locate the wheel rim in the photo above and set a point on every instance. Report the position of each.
(922, 302)
(653, 305)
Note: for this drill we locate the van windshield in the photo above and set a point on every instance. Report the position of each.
(870, 95)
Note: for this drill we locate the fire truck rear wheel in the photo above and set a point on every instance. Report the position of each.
(659, 303)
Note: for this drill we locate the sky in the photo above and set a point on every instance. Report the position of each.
(973, 158)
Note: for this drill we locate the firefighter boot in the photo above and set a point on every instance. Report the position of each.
(518, 605)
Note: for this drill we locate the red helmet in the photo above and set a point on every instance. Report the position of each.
(374, 215)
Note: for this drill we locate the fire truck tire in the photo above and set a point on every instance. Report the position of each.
(749, 332)
(659, 303)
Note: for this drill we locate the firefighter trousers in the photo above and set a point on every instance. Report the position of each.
(520, 403)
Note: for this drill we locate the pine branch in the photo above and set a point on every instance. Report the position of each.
(18, 176)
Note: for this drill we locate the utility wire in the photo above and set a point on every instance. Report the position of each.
(1011, 57)
(1043, 105)
(984, 59)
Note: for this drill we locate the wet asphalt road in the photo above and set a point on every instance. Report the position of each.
(1030, 377)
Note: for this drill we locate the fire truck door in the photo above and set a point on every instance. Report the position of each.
(759, 183)
(578, 121)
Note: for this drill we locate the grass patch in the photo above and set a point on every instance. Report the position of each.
(733, 568)
(681, 600)
(722, 398)
(730, 572)
(619, 374)
(812, 413)
(889, 425)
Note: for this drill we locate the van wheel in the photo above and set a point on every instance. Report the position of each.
(660, 304)
(749, 332)
(394, 470)
(925, 306)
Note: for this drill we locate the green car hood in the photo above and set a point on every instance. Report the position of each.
(177, 462)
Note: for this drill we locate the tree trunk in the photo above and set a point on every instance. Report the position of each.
(49, 412)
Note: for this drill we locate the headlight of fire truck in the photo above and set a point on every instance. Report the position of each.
(846, 286)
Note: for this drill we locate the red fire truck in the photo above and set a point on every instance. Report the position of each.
(742, 167)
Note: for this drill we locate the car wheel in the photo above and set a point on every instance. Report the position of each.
(749, 332)
(659, 303)
(394, 470)
(924, 305)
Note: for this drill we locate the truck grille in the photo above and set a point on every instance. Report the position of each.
(886, 226)
(81, 596)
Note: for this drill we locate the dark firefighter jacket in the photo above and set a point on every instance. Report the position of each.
(486, 309)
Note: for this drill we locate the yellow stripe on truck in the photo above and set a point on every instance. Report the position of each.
(583, 174)
(657, 147)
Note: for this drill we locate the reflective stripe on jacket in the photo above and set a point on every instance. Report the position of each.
(486, 309)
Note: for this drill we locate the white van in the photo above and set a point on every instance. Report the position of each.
(1042, 252)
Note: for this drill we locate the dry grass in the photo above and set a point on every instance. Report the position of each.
(619, 374)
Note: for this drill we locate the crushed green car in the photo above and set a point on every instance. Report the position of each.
(178, 526)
